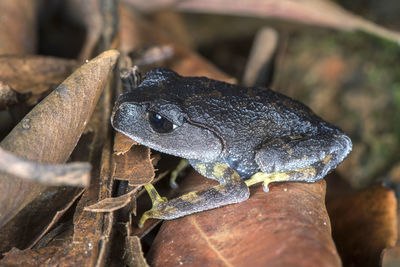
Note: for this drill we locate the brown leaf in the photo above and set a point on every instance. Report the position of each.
(16, 257)
(277, 228)
(133, 29)
(112, 204)
(34, 74)
(8, 96)
(92, 231)
(51, 130)
(316, 12)
(56, 218)
(364, 223)
(17, 27)
(134, 255)
(134, 166)
(31, 221)
(72, 174)
(122, 143)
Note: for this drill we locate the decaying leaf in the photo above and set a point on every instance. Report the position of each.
(122, 143)
(112, 204)
(56, 218)
(51, 130)
(279, 228)
(134, 255)
(364, 223)
(134, 166)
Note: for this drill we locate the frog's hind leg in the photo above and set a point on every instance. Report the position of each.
(309, 174)
(231, 189)
(299, 158)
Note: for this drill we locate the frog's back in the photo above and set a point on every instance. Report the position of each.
(237, 112)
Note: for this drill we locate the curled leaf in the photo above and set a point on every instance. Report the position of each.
(112, 204)
(134, 166)
(122, 143)
(51, 130)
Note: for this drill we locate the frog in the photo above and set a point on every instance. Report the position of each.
(238, 136)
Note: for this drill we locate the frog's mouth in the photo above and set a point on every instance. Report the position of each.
(188, 141)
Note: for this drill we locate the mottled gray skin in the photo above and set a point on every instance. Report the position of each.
(247, 130)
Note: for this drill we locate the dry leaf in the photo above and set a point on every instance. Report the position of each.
(134, 255)
(112, 204)
(30, 222)
(8, 96)
(34, 74)
(316, 12)
(364, 223)
(270, 229)
(51, 130)
(122, 143)
(56, 218)
(134, 166)
(17, 27)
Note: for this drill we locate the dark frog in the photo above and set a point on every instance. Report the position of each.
(236, 135)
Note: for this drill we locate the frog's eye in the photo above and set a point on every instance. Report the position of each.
(159, 123)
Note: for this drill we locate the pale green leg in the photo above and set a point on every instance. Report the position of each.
(231, 189)
(183, 164)
(156, 200)
(293, 175)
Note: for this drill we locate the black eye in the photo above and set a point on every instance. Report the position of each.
(159, 123)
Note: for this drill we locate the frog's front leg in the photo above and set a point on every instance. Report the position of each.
(231, 189)
(299, 158)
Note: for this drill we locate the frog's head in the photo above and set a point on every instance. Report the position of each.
(153, 115)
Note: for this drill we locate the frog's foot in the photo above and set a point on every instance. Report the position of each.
(303, 174)
(183, 164)
(157, 203)
(231, 190)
